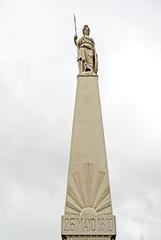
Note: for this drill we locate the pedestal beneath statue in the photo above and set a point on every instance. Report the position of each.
(88, 207)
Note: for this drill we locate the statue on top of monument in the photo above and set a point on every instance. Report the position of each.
(87, 56)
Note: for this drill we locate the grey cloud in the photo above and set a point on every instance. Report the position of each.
(38, 72)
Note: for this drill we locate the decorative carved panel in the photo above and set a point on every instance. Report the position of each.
(92, 197)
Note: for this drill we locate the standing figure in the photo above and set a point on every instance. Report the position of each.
(87, 57)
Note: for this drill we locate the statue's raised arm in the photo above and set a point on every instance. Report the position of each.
(87, 57)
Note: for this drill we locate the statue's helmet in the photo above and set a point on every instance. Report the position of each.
(86, 27)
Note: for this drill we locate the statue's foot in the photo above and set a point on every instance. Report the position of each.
(87, 73)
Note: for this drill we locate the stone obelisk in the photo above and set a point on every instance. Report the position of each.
(88, 208)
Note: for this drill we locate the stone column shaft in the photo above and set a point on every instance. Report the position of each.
(88, 207)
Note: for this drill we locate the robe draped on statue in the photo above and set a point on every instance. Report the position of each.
(87, 57)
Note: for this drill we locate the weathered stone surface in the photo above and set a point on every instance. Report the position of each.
(89, 238)
(88, 207)
(87, 56)
(104, 225)
(88, 190)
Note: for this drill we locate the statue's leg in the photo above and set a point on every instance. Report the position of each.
(80, 65)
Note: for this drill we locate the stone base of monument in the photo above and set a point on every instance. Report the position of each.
(88, 228)
(89, 238)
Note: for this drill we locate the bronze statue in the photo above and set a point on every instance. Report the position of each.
(87, 57)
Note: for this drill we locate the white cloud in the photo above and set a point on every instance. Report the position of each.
(37, 92)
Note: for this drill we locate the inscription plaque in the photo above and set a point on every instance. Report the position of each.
(103, 225)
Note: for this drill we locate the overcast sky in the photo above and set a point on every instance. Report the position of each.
(38, 72)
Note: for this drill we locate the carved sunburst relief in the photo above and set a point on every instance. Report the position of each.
(88, 192)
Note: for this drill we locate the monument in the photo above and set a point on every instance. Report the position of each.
(88, 207)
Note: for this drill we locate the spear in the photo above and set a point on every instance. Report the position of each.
(75, 25)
